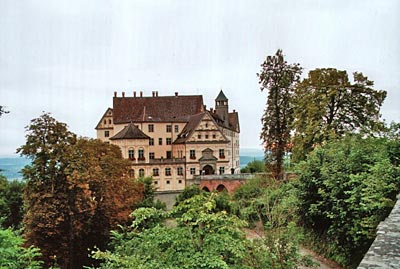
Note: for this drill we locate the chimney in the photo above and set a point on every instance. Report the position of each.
(141, 94)
(123, 94)
(234, 111)
(153, 93)
(134, 93)
(156, 93)
(115, 94)
(176, 93)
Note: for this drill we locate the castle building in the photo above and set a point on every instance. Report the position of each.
(173, 138)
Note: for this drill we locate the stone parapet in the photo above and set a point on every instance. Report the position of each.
(385, 250)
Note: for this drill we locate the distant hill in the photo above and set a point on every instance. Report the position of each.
(11, 166)
(250, 154)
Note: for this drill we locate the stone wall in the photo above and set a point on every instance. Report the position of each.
(385, 250)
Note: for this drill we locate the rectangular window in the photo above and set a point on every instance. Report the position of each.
(141, 172)
(151, 155)
(106, 133)
(160, 141)
(131, 154)
(167, 171)
(199, 136)
(222, 170)
(214, 136)
(141, 154)
(206, 136)
(176, 128)
(169, 141)
(169, 128)
(169, 154)
(179, 171)
(221, 153)
(151, 128)
(192, 154)
(155, 172)
(151, 142)
(192, 171)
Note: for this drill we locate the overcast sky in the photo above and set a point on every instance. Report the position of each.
(68, 57)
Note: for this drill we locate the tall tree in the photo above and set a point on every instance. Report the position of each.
(76, 192)
(279, 78)
(327, 105)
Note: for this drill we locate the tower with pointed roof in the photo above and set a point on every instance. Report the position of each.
(221, 107)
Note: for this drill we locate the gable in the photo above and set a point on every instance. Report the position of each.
(106, 121)
(207, 131)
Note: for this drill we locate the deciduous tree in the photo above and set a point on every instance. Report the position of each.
(14, 255)
(278, 78)
(11, 202)
(346, 188)
(76, 192)
(327, 105)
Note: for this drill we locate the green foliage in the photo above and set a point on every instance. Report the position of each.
(255, 166)
(149, 191)
(203, 238)
(327, 105)
(14, 255)
(76, 192)
(346, 188)
(274, 204)
(11, 202)
(187, 193)
(279, 78)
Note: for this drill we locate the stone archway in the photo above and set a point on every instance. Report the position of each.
(206, 189)
(208, 170)
(221, 188)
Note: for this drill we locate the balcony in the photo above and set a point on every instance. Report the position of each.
(167, 161)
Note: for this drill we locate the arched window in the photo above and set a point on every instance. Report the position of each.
(131, 154)
(141, 172)
(132, 173)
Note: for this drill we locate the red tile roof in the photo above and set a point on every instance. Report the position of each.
(157, 109)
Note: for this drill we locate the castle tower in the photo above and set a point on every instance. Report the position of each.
(221, 107)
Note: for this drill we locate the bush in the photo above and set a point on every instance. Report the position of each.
(346, 188)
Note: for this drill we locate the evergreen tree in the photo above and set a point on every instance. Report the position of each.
(279, 78)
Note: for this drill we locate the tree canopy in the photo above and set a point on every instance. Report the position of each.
(255, 166)
(278, 78)
(327, 105)
(11, 202)
(346, 188)
(77, 191)
(14, 255)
